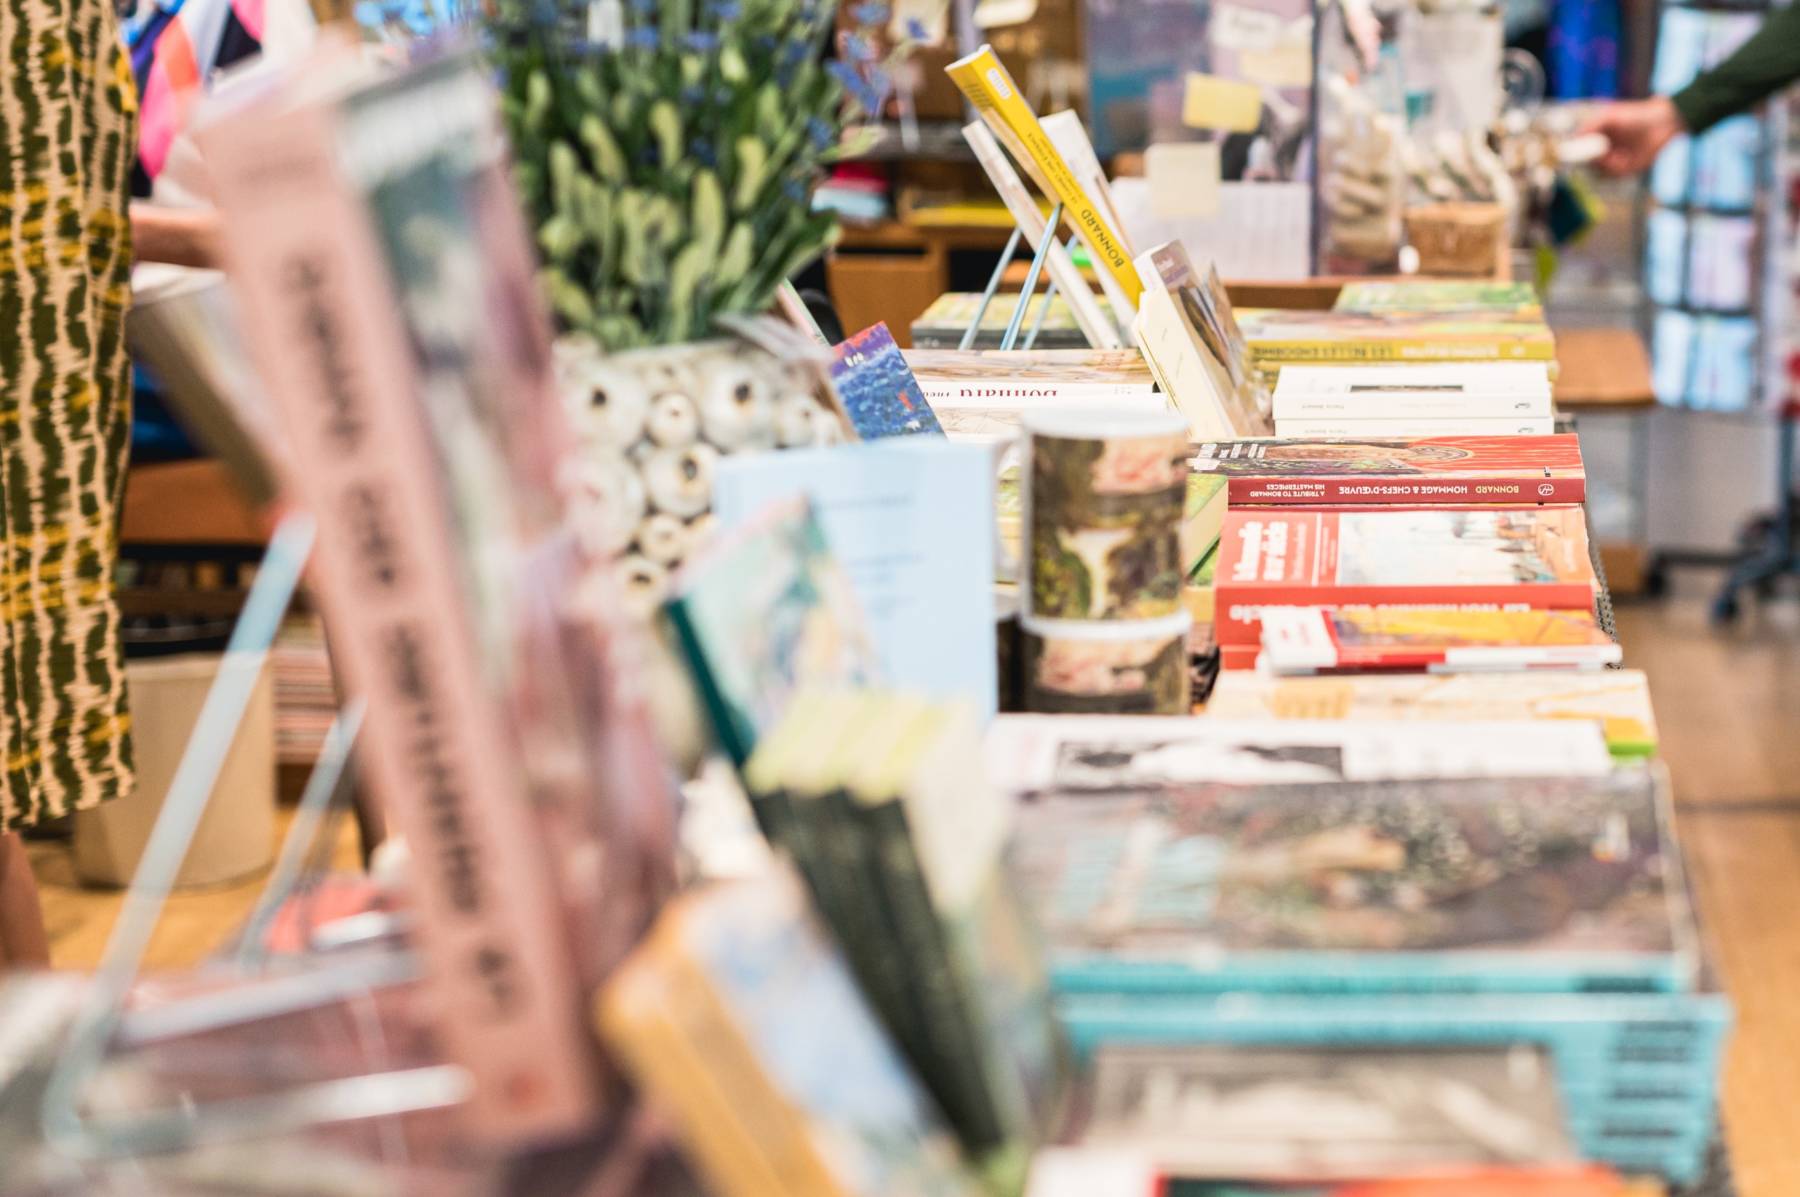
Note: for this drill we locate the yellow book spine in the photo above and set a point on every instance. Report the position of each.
(1448, 348)
(983, 78)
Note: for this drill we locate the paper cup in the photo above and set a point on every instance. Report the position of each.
(1103, 513)
(1079, 667)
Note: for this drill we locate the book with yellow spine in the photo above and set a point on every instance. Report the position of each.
(984, 79)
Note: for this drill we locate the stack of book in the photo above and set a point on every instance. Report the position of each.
(1246, 918)
(1443, 399)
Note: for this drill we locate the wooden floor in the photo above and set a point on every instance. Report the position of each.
(1729, 708)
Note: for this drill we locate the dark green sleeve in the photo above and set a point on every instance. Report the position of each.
(1762, 66)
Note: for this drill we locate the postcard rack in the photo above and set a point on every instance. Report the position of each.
(103, 1024)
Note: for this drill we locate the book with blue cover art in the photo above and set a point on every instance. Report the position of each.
(912, 522)
(878, 388)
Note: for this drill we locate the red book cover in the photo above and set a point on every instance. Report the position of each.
(1508, 558)
(1508, 471)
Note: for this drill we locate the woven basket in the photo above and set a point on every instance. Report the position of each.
(1463, 240)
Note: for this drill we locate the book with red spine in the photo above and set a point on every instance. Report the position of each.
(1519, 558)
(1415, 471)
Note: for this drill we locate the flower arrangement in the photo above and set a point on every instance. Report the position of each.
(666, 151)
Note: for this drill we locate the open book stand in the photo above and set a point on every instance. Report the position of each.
(1010, 340)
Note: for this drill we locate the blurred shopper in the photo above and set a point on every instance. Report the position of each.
(1762, 66)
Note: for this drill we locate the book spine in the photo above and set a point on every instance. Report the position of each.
(1521, 491)
(329, 346)
(1449, 348)
(1394, 405)
(1342, 428)
(1240, 605)
(984, 79)
(971, 394)
(955, 1071)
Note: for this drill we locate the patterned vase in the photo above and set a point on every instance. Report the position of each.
(653, 425)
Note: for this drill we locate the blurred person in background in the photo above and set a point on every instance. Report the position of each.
(1762, 66)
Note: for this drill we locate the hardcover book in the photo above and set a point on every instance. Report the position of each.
(740, 1018)
(878, 389)
(1444, 390)
(982, 395)
(1325, 1112)
(1279, 336)
(1520, 557)
(984, 79)
(1300, 640)
(1617, 699)
(765, 611)
(1511, 470)
(1530, 884)
(1441, 297)
(1041, 754)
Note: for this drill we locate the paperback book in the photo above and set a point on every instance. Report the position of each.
(878, 389)
(1440, 297)
(1189, 337)
(1440, 391)
(1513, 884)
(1510, 470)
(1306, 428)
(1617, 699)
(1533, 558)
(1280, 336)
(742, 1021)
(943, 324)
(1306, 640)
(983, 395)
(1274, 1114)
(1041, 754)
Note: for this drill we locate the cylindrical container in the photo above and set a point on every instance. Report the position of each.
(1081, 667)
(1103, 507)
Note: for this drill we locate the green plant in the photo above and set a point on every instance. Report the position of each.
(666, 153)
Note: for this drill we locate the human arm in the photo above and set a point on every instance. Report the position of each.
(181, 236)
(1639, 129)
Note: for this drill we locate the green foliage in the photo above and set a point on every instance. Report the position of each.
(667, 169)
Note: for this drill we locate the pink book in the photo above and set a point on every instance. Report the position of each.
(328, 339)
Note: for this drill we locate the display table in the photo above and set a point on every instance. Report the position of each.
(1606, 372)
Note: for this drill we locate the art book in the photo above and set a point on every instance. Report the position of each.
(1279, 336)
(981, 395)
(1505, 556)
(878, 389)
(1441, 297)
(1039, 754)
(1190, 338)
(1508, 470)
(1616, 699)
(1302, 640)
(907, 522)
(739, 1016)
(1530, 884)
(942, 325)
(1439, 391)
(1276, 1113)
(763, 612)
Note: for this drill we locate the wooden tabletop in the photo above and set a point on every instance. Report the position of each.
(1602, 369)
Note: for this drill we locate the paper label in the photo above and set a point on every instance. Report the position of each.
(1235, 27)
(1215, 103)
(1285, 66)
(1184, 178)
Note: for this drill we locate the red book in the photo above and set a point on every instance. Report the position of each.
(1509, 471)
(1507, 558)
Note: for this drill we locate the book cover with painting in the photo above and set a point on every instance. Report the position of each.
(1351, 639)
(1543, 884)
(1515, 470)
(763, 612)
(942, 325)
(1618, 700)
(878, 389)
(1442, 297)
(1534, 557)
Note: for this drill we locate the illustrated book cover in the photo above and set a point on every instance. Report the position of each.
(1303, 640)
(1513, 470)
(878, 388)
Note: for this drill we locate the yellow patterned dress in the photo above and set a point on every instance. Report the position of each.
(67, 109)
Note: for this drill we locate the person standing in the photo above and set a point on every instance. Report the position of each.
(67, 145)
(1762, 66)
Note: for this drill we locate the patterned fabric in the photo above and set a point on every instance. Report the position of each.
(67, 108)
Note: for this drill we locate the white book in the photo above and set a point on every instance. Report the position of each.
(1458, 390)
(1306, 428)
(1100, 329)
(1070, 137)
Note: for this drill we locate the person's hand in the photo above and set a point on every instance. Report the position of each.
(1637, 129)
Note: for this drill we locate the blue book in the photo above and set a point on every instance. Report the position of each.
(878, 389)
(912, 523)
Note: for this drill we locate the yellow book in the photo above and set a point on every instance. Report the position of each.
(983, 78)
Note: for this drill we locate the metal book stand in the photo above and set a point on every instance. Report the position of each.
(1010, 340)
(330, 973)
